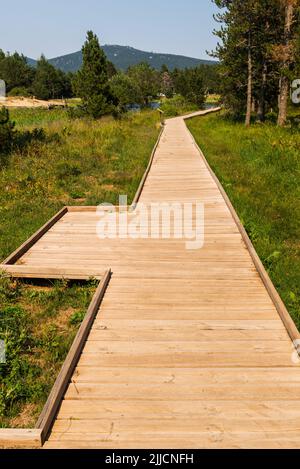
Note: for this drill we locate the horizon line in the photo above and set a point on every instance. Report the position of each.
(118, 45)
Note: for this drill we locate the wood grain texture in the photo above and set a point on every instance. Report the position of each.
(19, 438)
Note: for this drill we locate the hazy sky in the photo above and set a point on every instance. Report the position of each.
(57, 27)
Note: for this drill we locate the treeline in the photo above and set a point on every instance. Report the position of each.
(102, 88)
(44, 81)
(103, 92)
(142, 83)
(259, 51)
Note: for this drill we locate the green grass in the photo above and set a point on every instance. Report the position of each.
(38, 325)
(29, 118)
(83, 163)
(259, 168)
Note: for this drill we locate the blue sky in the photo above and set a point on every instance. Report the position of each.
(57, 27)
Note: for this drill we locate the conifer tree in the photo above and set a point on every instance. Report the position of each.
(257, 49)
(286, 52)
(92, 82)
(15, 71)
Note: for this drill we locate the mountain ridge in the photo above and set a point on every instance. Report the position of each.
(125, 56)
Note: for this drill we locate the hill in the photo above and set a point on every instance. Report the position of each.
(125, 56)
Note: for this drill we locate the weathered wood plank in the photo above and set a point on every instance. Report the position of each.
(20, 438)
(52, 405)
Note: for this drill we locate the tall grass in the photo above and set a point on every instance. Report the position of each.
(27, 118)
(260, 170)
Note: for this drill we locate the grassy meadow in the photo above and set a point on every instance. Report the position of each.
(259, 168)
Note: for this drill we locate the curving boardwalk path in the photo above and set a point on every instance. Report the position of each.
(187, 350)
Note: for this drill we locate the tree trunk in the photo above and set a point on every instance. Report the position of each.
(250, 81)
(261, 110)
(284, 85)
(283, 100)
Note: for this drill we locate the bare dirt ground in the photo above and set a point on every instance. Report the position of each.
(17, 101)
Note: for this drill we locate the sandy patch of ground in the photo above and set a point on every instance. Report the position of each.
(16, 101)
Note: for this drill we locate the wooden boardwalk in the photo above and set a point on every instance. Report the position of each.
(188, 349)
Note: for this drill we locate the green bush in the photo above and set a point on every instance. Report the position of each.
(177, 106)
(19, 91)
(11, 139)
(6, 131)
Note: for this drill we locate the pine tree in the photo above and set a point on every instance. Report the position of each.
(287, 53)
(50, 83)
(233, 52)
(91, 82)
(251, 59)
(15, 71)
(190, 84)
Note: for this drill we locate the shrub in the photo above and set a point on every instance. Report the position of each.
(6, 131)
(177, 106)
(11, 139)
(19, 91)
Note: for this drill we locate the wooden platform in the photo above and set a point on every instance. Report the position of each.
(188, 349)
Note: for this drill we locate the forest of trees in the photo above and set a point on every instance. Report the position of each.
(102, 88)
(259, 55)
(44, 81)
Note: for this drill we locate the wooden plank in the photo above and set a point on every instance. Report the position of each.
(168, 391)
(20, 438)
(179, 377)
(159, 440)
(47, 272)
(52, 405)
(157, 348)
(145, 332)
(145, 325)
(216, 359)
(171, 427)
(112, 409)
